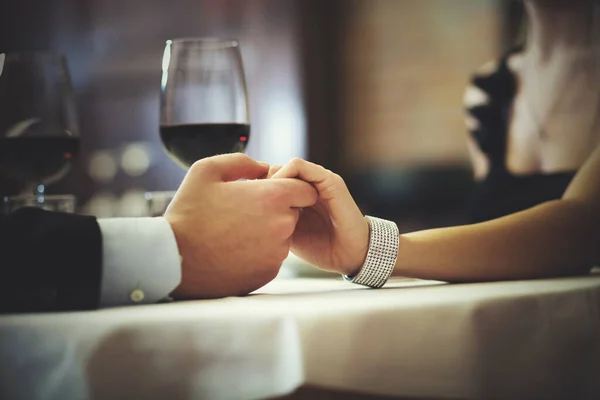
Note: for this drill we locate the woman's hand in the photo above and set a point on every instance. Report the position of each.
(333, 234)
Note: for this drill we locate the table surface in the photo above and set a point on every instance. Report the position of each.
(413, 338)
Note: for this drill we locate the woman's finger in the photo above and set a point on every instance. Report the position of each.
(307, 171)
(273, 170)
(331, 187)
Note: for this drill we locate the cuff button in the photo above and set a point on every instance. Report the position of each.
(137, 295)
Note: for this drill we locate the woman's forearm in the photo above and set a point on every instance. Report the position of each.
(557, 238)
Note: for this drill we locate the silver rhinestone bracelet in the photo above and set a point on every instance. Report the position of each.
(384, 240)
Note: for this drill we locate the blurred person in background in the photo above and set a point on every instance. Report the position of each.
(534, 128)
(533, 116)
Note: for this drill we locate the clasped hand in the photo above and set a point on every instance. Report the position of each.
(236, 219)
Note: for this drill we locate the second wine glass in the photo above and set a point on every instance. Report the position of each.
(39, 136)
(204, 102)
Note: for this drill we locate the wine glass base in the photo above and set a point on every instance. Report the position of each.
(157, 202)
(60, 203)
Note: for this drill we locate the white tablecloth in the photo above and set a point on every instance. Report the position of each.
(527, 339)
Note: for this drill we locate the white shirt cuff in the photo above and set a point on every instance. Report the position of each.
(141, 263)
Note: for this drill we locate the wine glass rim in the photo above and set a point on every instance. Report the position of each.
(207, 41)
(33, 55)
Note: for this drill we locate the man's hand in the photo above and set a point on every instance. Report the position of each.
(233, 235)
(332, 235)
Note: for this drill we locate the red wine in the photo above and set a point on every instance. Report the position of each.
(190, 143)
(37, 159)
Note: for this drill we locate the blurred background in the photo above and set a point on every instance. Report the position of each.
(371, 89)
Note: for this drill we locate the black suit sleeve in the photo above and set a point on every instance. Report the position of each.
(49, 261)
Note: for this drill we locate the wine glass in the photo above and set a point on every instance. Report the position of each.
(39, 136)
(204, 104)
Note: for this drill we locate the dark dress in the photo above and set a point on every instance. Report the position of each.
(502, 193)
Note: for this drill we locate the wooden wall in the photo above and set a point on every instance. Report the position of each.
(407, 64)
